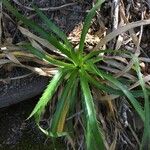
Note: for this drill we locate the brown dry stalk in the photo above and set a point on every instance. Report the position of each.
(120, 30)
(45, 9)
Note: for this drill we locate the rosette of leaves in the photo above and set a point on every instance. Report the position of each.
(79, 71)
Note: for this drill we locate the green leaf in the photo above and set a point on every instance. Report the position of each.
(93, 132)
(66, 99)
(46, 57)
(109, 89)
(101, 86)
(58, 32)
(87, 24)
(47, 95)
(96, 53)
(146, 135)
(73, 101)
(124, 89)
(38, 29)
(63, 105)
(50, 25)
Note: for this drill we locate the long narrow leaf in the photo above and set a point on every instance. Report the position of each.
(63, 105)
(93, 129)
(103, 87)
(73, 101)
(35, 27)
(46, 57)
(87, 24)
(58, 32)
(60, 114)
(47, 95)
(124, 89)
(96, 53)
(146, 135)
(50, 25)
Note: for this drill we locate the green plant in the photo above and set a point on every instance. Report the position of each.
(78, 72)
(146, 135)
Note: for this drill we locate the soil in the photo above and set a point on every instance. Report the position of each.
(17, 133)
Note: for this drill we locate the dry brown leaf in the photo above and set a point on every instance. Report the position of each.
(113, 144)
(36, 45)
(116, 71)
(119, 42)
(42, 41)
(146, 79)
(115, 64)
(4, 61)
(47, 8)
(13, 58)
(120, 30)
